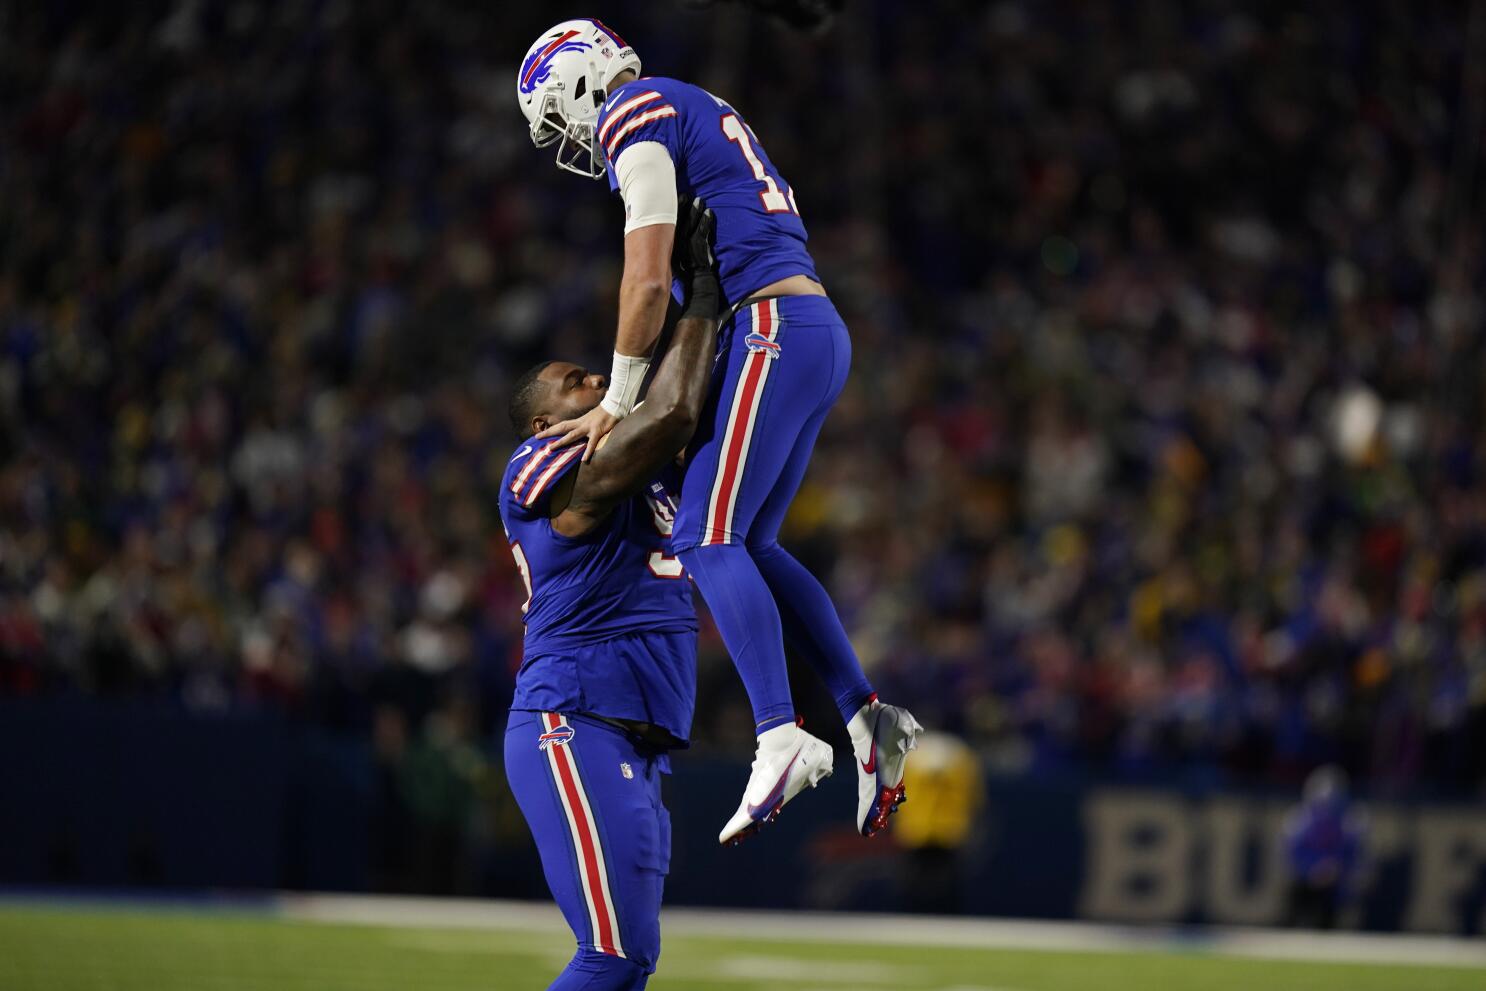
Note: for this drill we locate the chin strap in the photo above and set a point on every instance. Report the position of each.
(625, 379)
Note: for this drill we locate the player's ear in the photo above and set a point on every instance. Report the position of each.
(539, 423)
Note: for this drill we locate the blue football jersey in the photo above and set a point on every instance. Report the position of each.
(585, 591)
(760, 237)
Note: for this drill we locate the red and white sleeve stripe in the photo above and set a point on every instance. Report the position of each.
(554, 470)
(538, 474)
(619, 112)
(593, 872)
(617, 136)
(530, 468)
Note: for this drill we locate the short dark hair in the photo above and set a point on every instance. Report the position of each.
(524, 395)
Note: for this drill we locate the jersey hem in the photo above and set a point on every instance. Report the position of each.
(556, 646)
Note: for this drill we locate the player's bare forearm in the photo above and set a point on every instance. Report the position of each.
(642, 443)
(645, 288)
(644, 296)
(650, 437)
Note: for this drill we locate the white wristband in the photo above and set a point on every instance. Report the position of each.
(624, 384)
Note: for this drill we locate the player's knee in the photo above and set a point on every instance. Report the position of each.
(761, 548)
(695, 559)
(697, 551)
(590, 970)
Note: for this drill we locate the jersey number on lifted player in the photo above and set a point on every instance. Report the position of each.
(774, 201)
(525, 569)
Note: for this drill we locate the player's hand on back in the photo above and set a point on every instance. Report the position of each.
(696, 234)
(693, 255)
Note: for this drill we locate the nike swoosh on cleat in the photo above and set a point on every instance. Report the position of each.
(870, 766)
(775, 793)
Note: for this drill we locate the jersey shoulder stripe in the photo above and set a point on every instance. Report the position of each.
(634, 124)
(535, 455)
(544, 466)
(554, 471)
(621, 110)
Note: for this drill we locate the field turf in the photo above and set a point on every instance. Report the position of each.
(51, 947)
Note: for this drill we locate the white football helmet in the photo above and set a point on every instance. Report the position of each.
(563, 81)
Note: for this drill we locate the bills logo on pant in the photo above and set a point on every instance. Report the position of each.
(759, 344)
(555, 737)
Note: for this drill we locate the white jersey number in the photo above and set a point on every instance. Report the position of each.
(525, 569)
(774, 201)
(663, 514)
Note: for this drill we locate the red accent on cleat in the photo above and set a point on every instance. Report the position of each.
(887, 803)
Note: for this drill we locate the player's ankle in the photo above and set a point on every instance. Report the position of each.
(859, 723)
(761, 726)
(778, 737)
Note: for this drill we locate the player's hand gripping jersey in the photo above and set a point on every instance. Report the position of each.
(717, 157)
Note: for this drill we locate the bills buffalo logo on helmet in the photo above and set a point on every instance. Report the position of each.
(555, 737)
(538, 65)
(759, 344)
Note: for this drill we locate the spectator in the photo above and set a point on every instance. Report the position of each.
(1324, 839)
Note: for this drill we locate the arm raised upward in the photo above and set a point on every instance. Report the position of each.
(643, 442)
(646, 177)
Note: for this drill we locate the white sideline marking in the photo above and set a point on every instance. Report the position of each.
(821, 971)
(910, 930)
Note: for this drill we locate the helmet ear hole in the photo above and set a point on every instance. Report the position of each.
(580, 89)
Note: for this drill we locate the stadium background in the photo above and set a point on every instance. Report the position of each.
(1158, 480)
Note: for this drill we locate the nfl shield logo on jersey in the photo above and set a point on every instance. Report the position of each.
(759, 344)
(626, 770)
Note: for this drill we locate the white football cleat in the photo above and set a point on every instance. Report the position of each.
(788, 759)
(881, 736)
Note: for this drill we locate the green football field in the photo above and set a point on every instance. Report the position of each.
(45, 947)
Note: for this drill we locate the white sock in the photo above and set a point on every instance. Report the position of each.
(778, 738)
(860, 725)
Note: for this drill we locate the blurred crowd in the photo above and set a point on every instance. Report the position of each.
(1164, 449)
